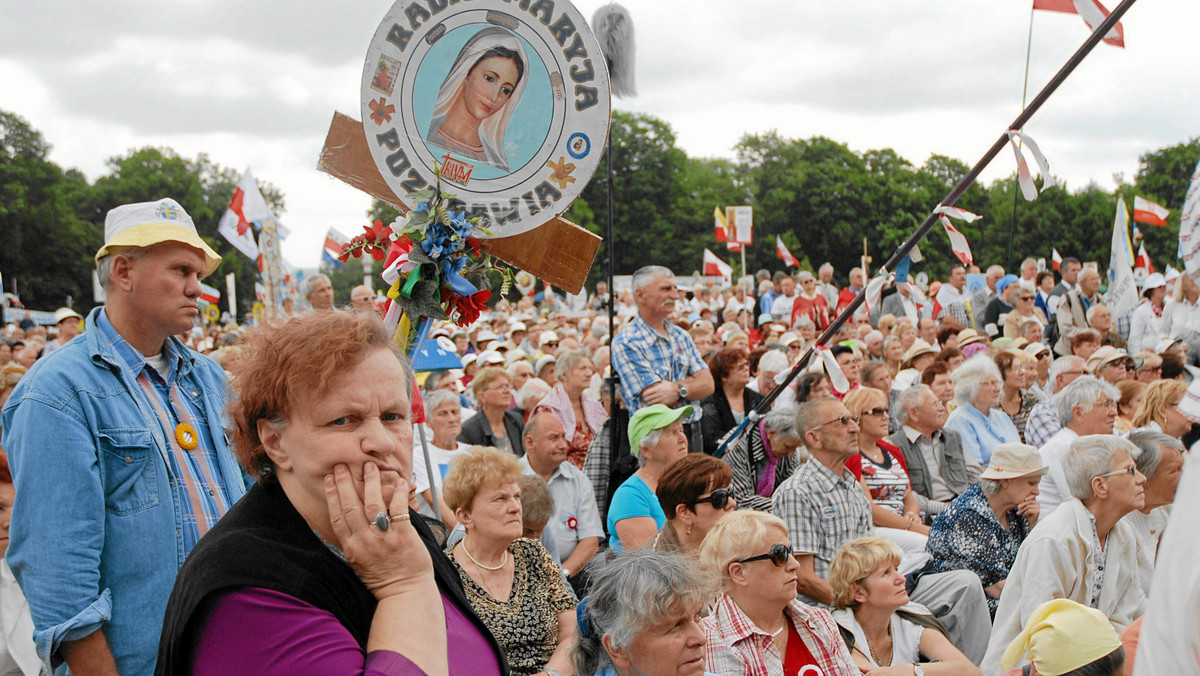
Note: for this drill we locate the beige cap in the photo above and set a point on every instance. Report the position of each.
(148, 223)
(1105, 356)
(918, 348)
(967, 337)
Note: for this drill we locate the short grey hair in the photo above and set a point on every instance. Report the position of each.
(996, 268)
(534, 387)
(1061, 366)
(1149, 451)
(437, 398)
(1090, 457)
(644, 274)
(1091, 312)
(806, 415)
(805, 321)
(1084, 393)
(825, 266)
(104, 265)
(537, 505)
(649, 441)
(782, 421)
(968, 377)
(805, 275)
(907, 400)
(311, 281)
(634, 592)
(512, 368)
(567, 361)
(990, 486)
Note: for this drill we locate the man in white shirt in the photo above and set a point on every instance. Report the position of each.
(954, 290)
(1087, 406)
(781, 307)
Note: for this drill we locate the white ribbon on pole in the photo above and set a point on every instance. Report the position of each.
(1028, 188)
(833, 370)
(875, 291)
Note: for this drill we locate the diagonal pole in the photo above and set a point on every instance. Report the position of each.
(949, 200)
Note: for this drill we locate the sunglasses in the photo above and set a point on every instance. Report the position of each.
(718, 498)
(778, 555)
(879, 410)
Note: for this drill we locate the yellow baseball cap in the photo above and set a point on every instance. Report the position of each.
(148, 223)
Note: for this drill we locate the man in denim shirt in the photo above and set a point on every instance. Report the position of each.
(118, 453)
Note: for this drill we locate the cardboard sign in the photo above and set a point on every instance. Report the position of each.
(740, 224)
(510, 100)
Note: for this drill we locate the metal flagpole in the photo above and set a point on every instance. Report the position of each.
(949, 200)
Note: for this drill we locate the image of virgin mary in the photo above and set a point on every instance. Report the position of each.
(476, 100)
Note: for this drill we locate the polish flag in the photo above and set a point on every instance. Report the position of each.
(958, 243)
(784, 255)
(209, 294)
(1091, 11)
(1055, 259)
(334, 241)
(248, 203)
(1150, 213)
(719, 224)
(715, 266)
(1143, 261)
(733, 246)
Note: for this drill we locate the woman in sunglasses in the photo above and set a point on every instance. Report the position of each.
(695, 494)
(886, 633)
(757, 625)
(881, 468)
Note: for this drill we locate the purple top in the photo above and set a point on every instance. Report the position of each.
(766, 481)
(259, 631)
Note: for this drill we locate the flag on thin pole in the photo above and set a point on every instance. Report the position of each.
(1150, 213)
(1122, 296)
(246, 206)
(334, 241)
(1055, 259)
(719, 224)
(716, 266)
(1189, 226)
(209, 294)
(733, 246)
(1143, 261)
(1091, 11)
(958, 243)
(784, 255)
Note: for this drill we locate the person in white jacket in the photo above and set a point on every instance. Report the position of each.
(1147, 322)
(1083, 551)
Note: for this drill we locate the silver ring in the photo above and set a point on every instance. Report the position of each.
(382, 521)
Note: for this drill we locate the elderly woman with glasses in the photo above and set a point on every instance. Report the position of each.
(886, 633)
(1082, 551)
(1025, 310)
(1018, 370)
(694, 494)
(982, 529)
(978, 419)
(757, 625)
(643, 618)
(1159, 411)
(495, 424)
(880, 467)
(656, 436)
(765, 456)
(729, 403)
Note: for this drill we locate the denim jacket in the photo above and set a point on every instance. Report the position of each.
(95, 539)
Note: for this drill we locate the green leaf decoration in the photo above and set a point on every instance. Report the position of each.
(426, 301)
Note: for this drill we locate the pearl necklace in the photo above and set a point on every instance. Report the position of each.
(503, 559)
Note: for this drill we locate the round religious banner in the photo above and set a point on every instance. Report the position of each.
(509, 99)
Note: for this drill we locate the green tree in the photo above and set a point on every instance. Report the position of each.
(47, 249)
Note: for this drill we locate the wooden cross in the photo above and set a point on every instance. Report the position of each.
(559, 252)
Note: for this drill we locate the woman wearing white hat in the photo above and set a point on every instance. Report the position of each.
(982, 529)
(1147, 328)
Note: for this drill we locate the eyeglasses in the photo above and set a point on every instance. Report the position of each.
(778, 555)
(844, 420)
(1024, 297)
(551, 343)
(879, 410)
(718, 498)
(1130, 470)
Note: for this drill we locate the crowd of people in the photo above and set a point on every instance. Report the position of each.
(955, 482)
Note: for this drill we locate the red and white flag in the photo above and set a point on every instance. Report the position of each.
(248, 203)
(1092, 12)
(716, 266)
(1055, 259)
(1028, 188)
(784, 255)
(1143, 261)
(1150, 213)
(722, 233)
(209, 294)
(733, 246)
(334, 241)
(958, 243)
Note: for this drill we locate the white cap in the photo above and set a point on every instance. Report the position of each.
(65, 312)
(491, 358)
(145, 224)
(547, 336)
(1155, 281)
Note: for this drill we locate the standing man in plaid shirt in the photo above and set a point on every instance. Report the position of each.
(656, 361)
(118, 454)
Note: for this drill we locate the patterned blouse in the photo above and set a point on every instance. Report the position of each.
(526, 626)
(1028, 401)
(967, 536)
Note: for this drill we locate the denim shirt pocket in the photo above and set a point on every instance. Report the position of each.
(129, 470)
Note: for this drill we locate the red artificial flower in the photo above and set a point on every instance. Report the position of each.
(468, 307)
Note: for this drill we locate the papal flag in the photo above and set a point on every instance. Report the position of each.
(1122, 296)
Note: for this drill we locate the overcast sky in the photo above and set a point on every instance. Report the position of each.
(256, 83)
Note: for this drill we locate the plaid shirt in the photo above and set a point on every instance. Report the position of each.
(822, 510)
(735, 646)
(1042, 423)
(642, 357)
(598, 464)
(201, 461)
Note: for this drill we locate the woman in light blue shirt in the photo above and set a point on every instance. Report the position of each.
(979, 420)
(656, 435)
